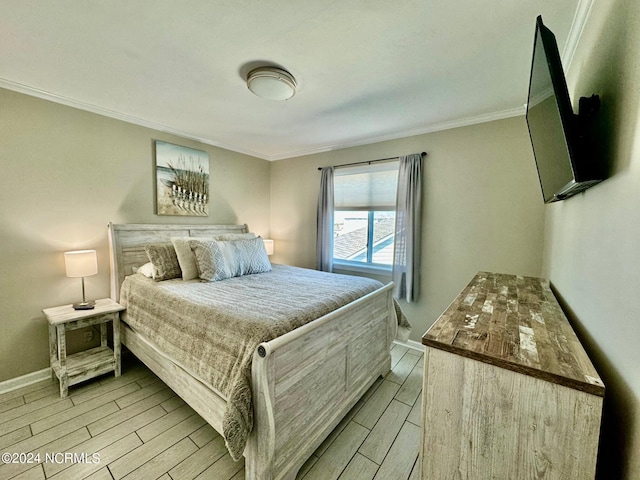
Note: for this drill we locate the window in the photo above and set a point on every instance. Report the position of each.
(364, 216)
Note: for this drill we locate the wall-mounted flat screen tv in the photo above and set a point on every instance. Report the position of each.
(566, 163)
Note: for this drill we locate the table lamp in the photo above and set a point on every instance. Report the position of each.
(81, 263)
(268, 245)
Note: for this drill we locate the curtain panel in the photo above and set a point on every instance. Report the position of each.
(324, 240)
(406, 254)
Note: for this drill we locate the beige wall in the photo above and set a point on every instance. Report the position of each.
(483, 208)
(65, 174)
(68, 172)
(592, 245)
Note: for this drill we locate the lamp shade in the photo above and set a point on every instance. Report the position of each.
(268, 246)
(81, 263)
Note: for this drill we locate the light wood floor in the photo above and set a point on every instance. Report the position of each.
(140, 429)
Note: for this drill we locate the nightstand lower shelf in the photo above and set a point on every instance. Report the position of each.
(85, 365)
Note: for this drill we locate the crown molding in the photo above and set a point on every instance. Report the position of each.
(436, 127)
(575, 32)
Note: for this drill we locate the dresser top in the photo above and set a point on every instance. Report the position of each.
(515, 323)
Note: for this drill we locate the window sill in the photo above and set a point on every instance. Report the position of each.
(362, 268)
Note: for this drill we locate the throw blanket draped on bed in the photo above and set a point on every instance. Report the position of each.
(213, 328)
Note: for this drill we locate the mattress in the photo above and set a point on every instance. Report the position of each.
(213, 328)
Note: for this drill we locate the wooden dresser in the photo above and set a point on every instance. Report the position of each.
(509, 392)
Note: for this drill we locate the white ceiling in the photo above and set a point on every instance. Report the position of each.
(367, 70)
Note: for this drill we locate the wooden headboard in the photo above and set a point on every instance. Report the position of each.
(126, 244)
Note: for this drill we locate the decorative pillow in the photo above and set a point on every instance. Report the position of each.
(164, 260)
(250, 256)
(210, 260)
(147, 270)
(218, 260)
(186, 255)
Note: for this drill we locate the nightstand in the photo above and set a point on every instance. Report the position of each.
(72, 369)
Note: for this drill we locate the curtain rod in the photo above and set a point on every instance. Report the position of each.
(368, 162)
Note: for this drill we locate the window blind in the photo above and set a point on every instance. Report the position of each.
(366, 187)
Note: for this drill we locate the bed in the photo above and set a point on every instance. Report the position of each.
(302, 382)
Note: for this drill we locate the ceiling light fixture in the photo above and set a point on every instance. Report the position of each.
(272, 83)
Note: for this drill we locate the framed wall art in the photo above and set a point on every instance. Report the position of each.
(182, 180)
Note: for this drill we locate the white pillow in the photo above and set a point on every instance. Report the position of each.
(148, 270)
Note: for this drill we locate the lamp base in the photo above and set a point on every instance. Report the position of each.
(84, 305)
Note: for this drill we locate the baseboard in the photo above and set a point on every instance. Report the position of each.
(45, 373)
(25, 380)
(412, 344)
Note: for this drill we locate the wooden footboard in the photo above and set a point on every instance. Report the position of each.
(306, 381)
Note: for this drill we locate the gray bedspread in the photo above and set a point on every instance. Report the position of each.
(213, 328)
